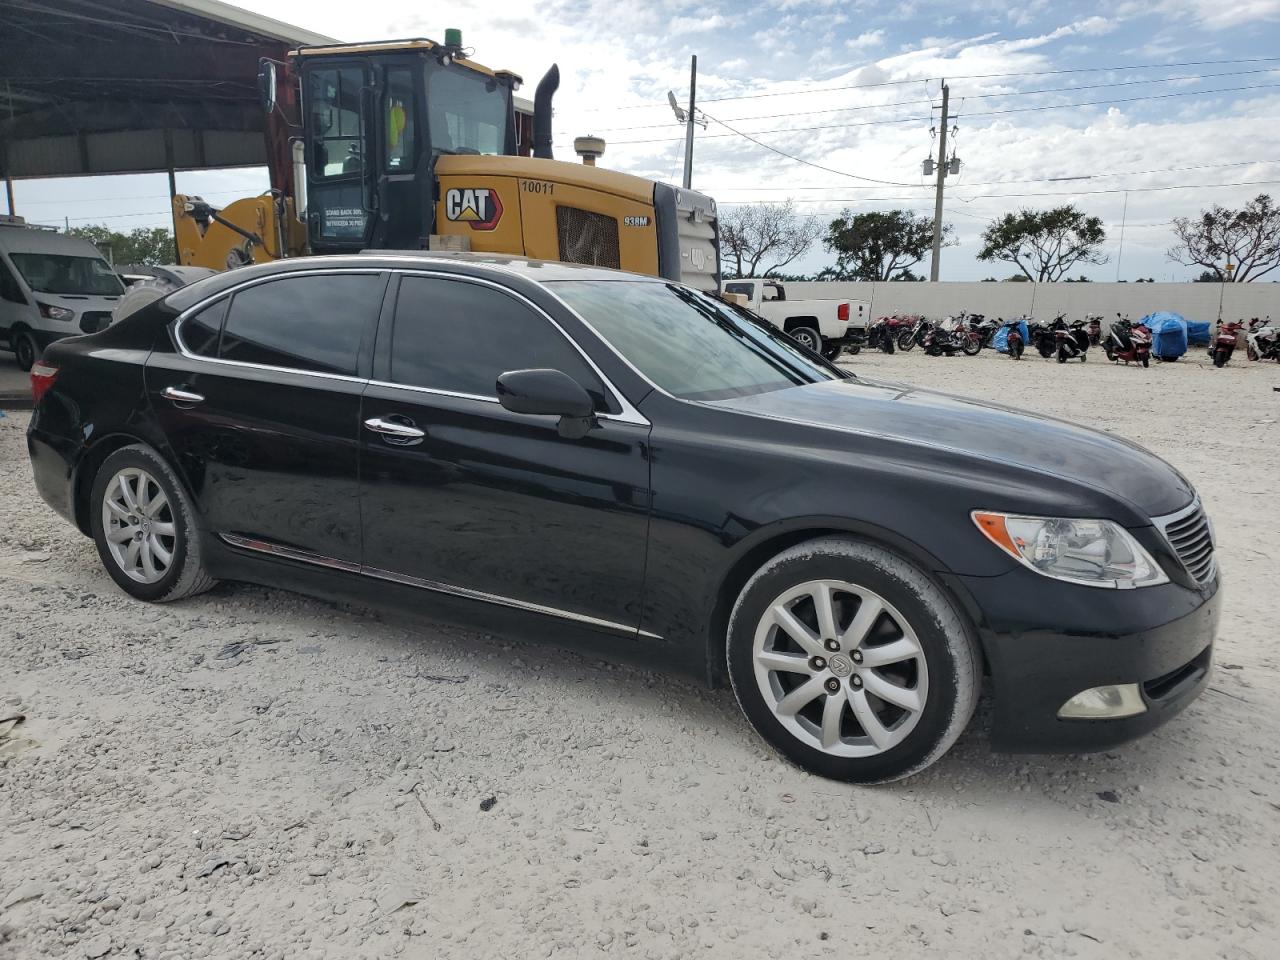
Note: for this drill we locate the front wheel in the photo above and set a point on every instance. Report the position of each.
(25, 350)
(808, 338)
(1220, 358)
(851, 661)
(1062, 354)
(906, 340)
(144, 527)
(831, 352)
(1146, 362)
(1015, 349)
(971, 346)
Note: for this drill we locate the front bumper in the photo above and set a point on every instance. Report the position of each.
(1160, 638)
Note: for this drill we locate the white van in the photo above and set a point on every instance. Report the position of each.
(51, 286)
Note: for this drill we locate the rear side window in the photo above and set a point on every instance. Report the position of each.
(457, 336)
(9, 289)
(200, 330)
(312, 322)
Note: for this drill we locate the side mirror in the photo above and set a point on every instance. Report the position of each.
(267, 85)
(549, 393)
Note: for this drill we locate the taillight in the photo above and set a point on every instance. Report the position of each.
(842, 313)
(42, 376)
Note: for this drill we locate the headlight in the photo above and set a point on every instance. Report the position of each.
(56, 313)
(1092, 553)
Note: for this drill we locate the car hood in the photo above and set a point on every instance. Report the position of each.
(977, 429)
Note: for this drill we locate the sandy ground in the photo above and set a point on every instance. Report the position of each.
(253, 774)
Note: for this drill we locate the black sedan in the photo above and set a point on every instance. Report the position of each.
(623, 463)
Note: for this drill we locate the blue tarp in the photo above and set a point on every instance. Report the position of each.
(1198, 332)
(1168, 334)
(1001, 339)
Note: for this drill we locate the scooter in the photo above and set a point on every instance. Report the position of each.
(1070, 343)
(1128, 342)
(1224, 343)
(1262, 341)
(1093, 322)
(1013, 345)
(1041, 338)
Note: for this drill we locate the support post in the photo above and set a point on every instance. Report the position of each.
(935, 262)
(688, 121)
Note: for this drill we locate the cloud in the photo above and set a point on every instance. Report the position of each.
(865, 41)
(1213, 14)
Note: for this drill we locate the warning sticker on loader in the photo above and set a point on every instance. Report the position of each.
(478, 207)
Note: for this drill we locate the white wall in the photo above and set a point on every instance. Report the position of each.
(1044, 301)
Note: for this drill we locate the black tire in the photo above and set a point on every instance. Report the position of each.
(1062, 354)
(807, 337)
(1220, 358)
(1015, 350)
(832, 351)
(184, 575)
(971, 347)
(946, 641)
(25, 350)
(1084, 355)
(854, 349)
(1106, 348)
(906, 340)
(1146, 362)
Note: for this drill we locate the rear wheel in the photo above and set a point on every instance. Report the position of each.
(832, 351)
(25, 350)
(808, 338)
(1220, 358)
(144, 527)
(851, 661)
(1062, 354)
(1106, 348)
(1015, 349)
(1146, 362)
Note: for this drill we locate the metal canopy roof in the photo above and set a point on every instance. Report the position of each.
(133, 86)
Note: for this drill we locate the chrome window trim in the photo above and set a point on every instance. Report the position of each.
(629, 412)
(435, 586)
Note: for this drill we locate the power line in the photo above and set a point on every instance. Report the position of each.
(967, 76)
(1095, 103)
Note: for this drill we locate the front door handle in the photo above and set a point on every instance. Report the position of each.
(400, 430)
(180, 396)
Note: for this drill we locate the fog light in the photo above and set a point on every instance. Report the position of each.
(1104, 703)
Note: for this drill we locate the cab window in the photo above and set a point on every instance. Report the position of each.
(399, 131)
(745, 289)
(333, 101)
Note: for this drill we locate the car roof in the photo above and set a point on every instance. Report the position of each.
(463, 264)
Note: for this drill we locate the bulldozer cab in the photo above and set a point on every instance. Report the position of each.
(375, 118)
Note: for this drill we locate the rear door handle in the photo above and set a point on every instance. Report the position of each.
(400, 430)
(180, 396)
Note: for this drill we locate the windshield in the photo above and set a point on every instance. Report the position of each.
(56, 273)
(467, 112)
(690, 345)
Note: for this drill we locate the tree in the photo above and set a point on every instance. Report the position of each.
(149, 245)
(1248, 237)
(880, 245)
(1044, 244)
(772, 233)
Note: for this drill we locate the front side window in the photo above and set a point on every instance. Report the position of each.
(313, 322)
(460, 337)
(467, 112)
(9, 288)
(61, 274)
(399, 130)
(690, 345)
(333, 101)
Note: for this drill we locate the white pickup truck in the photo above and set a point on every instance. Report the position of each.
(824, 326)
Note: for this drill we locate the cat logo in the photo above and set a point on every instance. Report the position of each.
(479, 207)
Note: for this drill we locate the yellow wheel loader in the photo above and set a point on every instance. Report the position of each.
(409, 144)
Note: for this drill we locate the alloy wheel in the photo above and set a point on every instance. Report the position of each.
(841, 668)
(138, 525)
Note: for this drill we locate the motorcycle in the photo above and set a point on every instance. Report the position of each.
(952, 336)
(914, 334)
(880, 335)
(1093, 321)
(1262, 341)
(1041, 338)
(1070, 342)
(982, 329)
(1225, 339)
(1013, 345)
(1129, 342)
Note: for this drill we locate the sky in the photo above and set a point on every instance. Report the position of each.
(1137, 111)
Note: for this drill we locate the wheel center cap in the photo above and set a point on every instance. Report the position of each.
(146, 525)
(840, 665)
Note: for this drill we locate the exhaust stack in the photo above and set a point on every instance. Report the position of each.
(547, 87)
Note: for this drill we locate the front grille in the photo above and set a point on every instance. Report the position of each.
(1189, 534)
(586, 237)
(95, 320)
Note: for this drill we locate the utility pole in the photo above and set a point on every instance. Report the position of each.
(942, 173)
(688, 123)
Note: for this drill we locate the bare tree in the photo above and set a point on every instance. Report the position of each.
(1248, 237)
(772, 233)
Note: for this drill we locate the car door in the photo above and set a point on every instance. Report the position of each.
(259, 400)
(462, 496)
